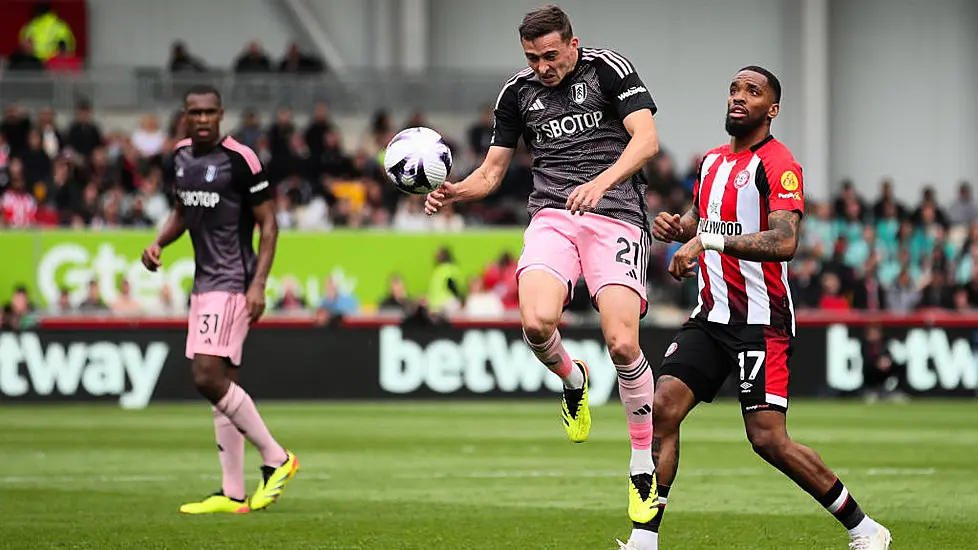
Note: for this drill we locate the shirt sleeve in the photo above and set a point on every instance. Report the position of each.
(508, 124)
(787, 191)
(249, 175)
(622, 85)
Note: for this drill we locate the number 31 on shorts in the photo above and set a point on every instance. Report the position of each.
(208, 323)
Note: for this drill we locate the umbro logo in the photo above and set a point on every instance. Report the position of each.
(536, 106)
(746, 386)
(644, 411)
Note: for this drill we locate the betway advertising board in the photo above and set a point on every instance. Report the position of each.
(361, 261)
(134, 366)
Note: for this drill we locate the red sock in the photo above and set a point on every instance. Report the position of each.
(238, 406)
(230, 451)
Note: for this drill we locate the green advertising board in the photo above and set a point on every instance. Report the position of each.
(360, 261)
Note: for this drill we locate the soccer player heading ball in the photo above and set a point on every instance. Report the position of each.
(742, 229)
(587, 119)
(221, 193)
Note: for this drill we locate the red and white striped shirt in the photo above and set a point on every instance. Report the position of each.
(734, 195)
(19, 208)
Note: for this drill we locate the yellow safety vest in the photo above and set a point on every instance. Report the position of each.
(45, 32)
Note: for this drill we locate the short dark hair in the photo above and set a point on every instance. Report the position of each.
(202, 89)
(772, 80)
(545, 20)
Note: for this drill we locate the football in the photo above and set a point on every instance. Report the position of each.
(417, 160)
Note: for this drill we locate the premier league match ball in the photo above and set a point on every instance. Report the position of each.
(417, 161)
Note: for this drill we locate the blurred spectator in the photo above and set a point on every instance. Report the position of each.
(831, 294)
(168, 304)
(63, 305)
(148, 139)
(963, 210)
(904, 295)
(20, 313)
(249, 132)
(336, 304)
(888, 206)
(929, 207)
(182, 62)
(806, 289)
(397, 296)
(37, 163)
(445, 288)
(15, 127)
(64, 61)
(881, 376)
(93, 300)
(47, 32)
(290, 300)
(297, 62)
(51, 138)
(846, 197)
(84, 134)
(410, 215)
(482, 303)
(19, 206)
(480, 133)
(315, 134)
(125, 305)
(253, 60)
(500, 278)
(24, 59)
(448, 220)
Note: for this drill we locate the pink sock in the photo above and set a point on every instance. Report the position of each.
(553, 355)
(230, 450)
(240, 409)
(636, 389)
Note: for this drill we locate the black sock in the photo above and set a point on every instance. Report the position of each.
(653, 525)
(840, 504)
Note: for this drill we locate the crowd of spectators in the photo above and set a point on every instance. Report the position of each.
(862, 250)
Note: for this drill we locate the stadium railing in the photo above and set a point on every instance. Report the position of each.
(355, 91)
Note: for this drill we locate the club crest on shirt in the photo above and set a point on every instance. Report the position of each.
(579, 92)
(789, 181)
(742, 178)
(210, 174)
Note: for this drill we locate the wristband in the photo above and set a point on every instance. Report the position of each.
(712, 241)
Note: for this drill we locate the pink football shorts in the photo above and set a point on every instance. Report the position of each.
(605, 250)
(218, 325)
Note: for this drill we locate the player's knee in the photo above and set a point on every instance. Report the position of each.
(623, 347)
(667, 411)
(767, 442)
(539, 327)
(209, 378)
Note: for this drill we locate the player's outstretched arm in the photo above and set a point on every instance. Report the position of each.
(481, 183)
(777, 244)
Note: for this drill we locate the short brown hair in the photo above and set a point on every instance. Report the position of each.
(545, 20)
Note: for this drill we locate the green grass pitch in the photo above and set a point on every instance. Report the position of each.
(476, 476)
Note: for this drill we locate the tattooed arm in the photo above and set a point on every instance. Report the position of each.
(670, 227)
(777, 244)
